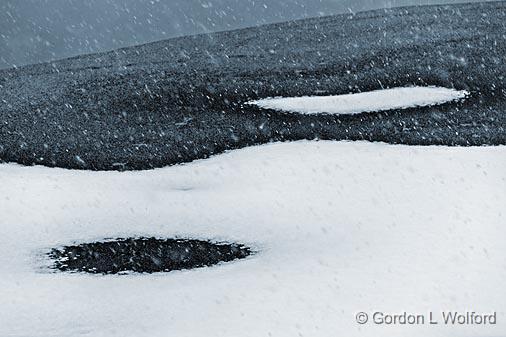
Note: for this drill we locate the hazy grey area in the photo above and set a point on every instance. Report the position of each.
(33, 31)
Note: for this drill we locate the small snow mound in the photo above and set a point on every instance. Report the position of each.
(371, 101)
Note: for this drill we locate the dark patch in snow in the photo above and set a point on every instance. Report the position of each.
(182, 99)
(144, 255)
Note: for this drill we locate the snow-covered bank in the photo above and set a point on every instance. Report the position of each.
(377, 100)
(341, 228)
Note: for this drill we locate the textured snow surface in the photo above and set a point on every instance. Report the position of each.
(340, 228)
(377, 100)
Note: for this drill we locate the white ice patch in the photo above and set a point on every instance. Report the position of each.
(378, 100)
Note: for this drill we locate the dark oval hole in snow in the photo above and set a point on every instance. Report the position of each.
(144, 255)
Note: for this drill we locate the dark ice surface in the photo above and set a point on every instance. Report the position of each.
(144, 255)
(183, 99)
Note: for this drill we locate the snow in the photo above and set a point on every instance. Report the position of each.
(377, 100)
(340, 227)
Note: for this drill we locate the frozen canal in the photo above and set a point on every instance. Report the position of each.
(369, 176)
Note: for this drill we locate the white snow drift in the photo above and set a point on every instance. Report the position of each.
(378, 100)
(340, 228)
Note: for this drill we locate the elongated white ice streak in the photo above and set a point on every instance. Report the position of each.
(378, 100)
